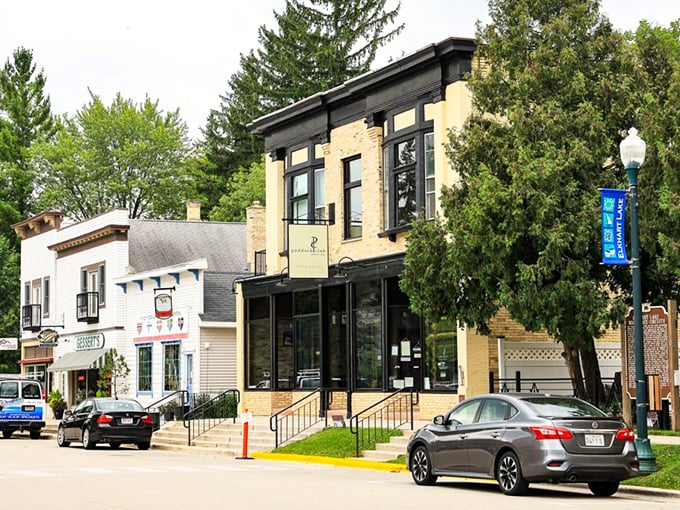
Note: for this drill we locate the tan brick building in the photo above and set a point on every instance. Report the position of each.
(359, 162)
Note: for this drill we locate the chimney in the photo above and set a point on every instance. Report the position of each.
(193, 210)
(256, 231)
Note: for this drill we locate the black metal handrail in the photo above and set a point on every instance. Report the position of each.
(156, 407)
(380, 419)
(208, 415)
(299, 416)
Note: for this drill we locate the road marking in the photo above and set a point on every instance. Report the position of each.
(137, 469)
(32, 474)
(96, 470)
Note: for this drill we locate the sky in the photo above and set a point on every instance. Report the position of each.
(182, 53)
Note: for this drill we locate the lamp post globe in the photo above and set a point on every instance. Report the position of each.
(633, 150)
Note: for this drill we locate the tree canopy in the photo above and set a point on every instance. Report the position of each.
(521, 229)
(126, 155)
(244, 187)
(316, 45)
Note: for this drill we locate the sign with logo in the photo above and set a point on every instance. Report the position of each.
(613, 203)
(163, 303)
(307, 251)
(9, 344)
(48, 338)
(88, 342)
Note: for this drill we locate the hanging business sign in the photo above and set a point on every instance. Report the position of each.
(48, 338)
(613, 203)
(307, 251)
(163, 306)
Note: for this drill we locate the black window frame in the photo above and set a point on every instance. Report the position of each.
(350, 186)
(392, 172)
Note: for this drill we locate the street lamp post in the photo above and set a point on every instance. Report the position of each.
(633, 155)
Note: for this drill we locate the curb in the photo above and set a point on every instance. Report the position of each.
(331, 461)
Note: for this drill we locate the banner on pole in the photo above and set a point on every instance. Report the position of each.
(613, 203)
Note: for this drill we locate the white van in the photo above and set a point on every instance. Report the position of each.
(22, 406)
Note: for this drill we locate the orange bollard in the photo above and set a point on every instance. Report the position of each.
(245, 418)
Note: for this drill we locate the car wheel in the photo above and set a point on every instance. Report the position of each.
(509, 475)
(35, 434)
(7, 433)
(144, 445)
(61, 437)
(421, 467)
(603, 489)
(88, 444)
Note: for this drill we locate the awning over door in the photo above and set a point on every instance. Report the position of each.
(79, 360)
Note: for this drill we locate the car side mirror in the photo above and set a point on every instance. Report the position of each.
(439, 420)
(68, 412)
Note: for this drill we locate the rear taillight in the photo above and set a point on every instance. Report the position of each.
(551, 433)
(104, 418)
(625, 435)
(147, 419)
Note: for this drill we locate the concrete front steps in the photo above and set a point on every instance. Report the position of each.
(225, 439)
(390, 451)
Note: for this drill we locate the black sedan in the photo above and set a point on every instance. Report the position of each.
(521, 438)
(106, 420)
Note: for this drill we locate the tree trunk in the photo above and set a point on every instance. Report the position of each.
(573, 362)
(591, 369)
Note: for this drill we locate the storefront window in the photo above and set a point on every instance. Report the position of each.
(441, 357)
(144, 368)
(307, 339)
(285, 342)
(403, 339)
(335, 346)
(367, 308)
(259, 342)
(171, 367)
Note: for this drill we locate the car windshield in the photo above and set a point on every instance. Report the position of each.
(119, 405)
(562, 407)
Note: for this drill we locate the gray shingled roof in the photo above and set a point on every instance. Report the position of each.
(161, 243)
(219, 302)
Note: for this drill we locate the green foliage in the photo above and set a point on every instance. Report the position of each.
(56, 400)
(128, 155)
(522, 227)
(225, 407)
(667, 475)
(25, 116)
(334, 442)
(112, 376)
(317, 45)
(10, 290)
(244, 187)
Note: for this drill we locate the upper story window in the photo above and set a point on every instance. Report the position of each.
(306, 184)
(46, 296)
(352, 198)
(408, 166)
(93, 279)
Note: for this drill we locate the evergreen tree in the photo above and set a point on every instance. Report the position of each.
(317, 45)
(25, 116)
(556, 86)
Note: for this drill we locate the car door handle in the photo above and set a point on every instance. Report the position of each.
(463, 436)
(495, 435)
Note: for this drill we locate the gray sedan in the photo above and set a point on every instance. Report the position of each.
(521, 438)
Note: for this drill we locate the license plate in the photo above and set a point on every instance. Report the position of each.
(126, 421)
(594, 440)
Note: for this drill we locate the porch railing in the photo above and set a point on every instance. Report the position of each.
(377, 421)
(300, 416)
(207, 415)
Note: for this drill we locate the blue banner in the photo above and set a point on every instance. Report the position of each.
(613, 227)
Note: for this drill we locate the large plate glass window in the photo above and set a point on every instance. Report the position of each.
(367, 313)
(259, 343)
